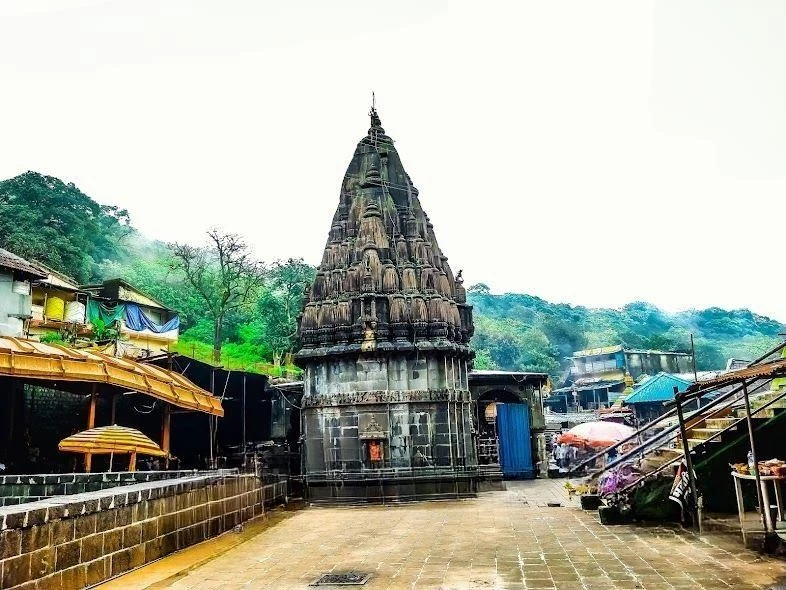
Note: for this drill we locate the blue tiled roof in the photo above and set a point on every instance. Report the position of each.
(659, 388)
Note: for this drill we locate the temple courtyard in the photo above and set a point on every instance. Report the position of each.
(509, 539)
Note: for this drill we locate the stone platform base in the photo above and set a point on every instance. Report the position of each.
(384, 490)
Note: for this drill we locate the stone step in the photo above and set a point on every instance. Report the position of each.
(702, 433)
(695, 442)
(781, 403)
(719, 423)
(768, 413)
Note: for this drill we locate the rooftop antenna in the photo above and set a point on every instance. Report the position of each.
(373, 101)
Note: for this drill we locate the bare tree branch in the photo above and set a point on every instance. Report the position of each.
(223, 273)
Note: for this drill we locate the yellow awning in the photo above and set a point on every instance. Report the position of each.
(110, 439)
(28, 359)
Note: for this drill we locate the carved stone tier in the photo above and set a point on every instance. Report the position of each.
(384, 335)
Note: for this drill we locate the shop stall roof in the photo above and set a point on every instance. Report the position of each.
(38, 361)
(18, 264)
(56, 279)
(768, 370)
(111, 289)
(659, 388)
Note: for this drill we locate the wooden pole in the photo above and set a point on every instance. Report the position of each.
(132, 462)
(165, 432)
(113, 419)
(91, 422)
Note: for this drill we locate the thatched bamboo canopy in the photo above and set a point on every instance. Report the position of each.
(110, 439)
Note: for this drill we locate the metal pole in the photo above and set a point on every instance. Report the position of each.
(244, 420)
(693, 357)
(748, 419)
(688, 460)
(210, 419)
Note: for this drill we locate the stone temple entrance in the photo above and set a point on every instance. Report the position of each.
(509, 422)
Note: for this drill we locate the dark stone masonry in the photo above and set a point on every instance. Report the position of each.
(385, 336)
(75, 541)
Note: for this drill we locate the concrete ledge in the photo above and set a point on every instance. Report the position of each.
(17, 489)
(79, 540)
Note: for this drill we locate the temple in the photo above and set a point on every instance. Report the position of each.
(384, 334)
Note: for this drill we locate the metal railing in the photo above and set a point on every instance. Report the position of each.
(671, 432)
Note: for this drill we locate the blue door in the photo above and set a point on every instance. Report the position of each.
(515, 446)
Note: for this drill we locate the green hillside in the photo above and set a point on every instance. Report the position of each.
(44, 218)
(524, 332)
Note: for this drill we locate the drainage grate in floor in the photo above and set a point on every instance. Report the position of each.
(352, 578)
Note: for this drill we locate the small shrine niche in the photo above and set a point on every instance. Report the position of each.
(373, 437)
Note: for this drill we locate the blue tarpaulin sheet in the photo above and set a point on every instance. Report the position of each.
(137, 320)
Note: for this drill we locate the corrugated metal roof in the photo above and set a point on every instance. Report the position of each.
(597, 351)
(14, 262)
(587, 387)
(763, 371)
(659, 388)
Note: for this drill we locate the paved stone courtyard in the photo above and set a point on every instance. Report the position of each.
(499, 540)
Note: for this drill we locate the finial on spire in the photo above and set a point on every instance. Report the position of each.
(375, 120)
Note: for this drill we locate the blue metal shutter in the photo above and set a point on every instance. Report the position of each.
(515, 446)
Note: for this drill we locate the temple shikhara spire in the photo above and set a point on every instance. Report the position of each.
(385, 336)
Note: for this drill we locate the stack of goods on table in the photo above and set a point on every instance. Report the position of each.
(775, 467)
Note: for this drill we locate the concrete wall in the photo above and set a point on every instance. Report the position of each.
(12, 303)
(17, 489)
(71, 542)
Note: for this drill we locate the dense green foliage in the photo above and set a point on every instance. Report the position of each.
(43, 218)
(524, 332)
(257, 334)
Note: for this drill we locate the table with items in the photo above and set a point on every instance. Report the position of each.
(770, 472)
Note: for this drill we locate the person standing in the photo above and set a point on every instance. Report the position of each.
(562, 455)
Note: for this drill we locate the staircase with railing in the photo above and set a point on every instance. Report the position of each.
(740, 399)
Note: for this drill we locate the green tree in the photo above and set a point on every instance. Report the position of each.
(223, 273)
(43, 218)
(479, 289)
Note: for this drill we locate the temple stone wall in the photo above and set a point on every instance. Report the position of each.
(72, 542)
(414, 435)
(397, 373)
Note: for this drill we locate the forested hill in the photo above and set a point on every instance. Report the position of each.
(44, 218)
(515, 331)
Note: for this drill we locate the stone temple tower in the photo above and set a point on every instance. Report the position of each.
(385, 336)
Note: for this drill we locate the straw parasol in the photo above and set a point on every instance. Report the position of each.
(110, 440)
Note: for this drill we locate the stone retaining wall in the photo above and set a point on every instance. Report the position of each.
(16, 489)
(71, 542)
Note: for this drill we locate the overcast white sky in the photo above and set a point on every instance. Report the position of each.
(586, 152)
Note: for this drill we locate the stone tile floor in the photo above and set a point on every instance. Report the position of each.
(499, 540)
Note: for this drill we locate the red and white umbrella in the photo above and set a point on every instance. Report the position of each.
(598, 435)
